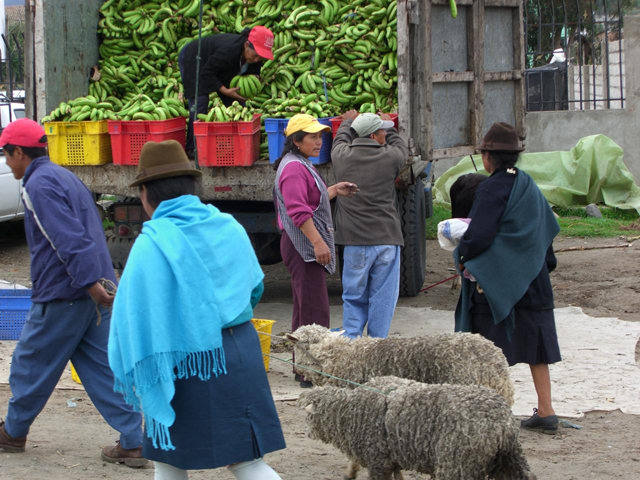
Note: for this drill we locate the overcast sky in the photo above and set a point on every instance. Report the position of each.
(11, 3)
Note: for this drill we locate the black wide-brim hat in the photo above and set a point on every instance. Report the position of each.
(163, 160)
(501, 137)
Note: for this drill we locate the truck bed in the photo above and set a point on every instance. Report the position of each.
(253, 183)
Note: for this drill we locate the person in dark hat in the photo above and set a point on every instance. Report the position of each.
(182, 347)
(223, 56)
(508, 250)
(70, 314)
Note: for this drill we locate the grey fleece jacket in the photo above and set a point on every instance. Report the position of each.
(371, 217)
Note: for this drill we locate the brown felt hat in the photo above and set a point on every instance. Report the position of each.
(501, 137)
(163, 160)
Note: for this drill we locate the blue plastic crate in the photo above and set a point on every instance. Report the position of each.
(14, 307)
(275, 136)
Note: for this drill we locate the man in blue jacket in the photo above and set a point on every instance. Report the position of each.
(70, 314)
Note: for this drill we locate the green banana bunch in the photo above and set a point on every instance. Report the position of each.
(234, 113)
(249, 85)
(142, 107)
(89, 109)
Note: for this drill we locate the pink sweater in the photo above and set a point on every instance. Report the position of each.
(300, 192)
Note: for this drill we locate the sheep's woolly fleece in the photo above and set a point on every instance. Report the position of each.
(455, 358)
(451, 432)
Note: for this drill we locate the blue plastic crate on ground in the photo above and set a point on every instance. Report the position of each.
(275, 136)
(14, 307)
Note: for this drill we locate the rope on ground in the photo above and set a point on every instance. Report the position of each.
(328, 375)
(439, 283)
(580, 249)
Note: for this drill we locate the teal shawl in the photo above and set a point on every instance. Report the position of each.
(506, 269)
(190, 272)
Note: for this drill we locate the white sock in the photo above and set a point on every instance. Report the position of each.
(168, 472)
(253, 470)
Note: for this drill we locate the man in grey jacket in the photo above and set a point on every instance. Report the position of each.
(368, 151)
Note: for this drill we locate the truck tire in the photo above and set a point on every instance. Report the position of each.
(412, 205)
(119, 249)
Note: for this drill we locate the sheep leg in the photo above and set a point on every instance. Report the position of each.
(397, 475)
(381, 473)
(352, 471)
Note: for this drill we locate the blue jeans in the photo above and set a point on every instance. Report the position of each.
(54, 333)
(371, 284)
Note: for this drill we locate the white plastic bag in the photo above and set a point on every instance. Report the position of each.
(450, 232)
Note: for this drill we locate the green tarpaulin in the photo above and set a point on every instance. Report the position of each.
(591, 172)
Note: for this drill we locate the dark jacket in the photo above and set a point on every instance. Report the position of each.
(488, 208)
(221, 57)
(64, 232)
(370, 217)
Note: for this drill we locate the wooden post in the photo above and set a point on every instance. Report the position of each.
(475, 58)
(519, 65)
(423, 108)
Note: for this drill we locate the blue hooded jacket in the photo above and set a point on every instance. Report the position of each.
(64, 232)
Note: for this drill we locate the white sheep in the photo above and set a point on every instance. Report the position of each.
(451, 432)
(455, 358)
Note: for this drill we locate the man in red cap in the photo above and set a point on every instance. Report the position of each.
(222, 57)
(70, 315)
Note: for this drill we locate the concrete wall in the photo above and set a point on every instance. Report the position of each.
(551, 131)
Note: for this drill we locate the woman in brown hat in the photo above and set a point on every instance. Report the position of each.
(508, 250)
(182, 347)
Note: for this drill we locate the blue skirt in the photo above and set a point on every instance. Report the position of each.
(225, 420)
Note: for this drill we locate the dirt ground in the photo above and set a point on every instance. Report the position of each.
(64, 442)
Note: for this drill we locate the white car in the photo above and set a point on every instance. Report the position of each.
(10, 189)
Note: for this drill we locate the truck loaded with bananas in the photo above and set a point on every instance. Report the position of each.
(330, 56)
(343, 53)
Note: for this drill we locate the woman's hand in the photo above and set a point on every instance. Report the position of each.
(343, 189)
(323, 254)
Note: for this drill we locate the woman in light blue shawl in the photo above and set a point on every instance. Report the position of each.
(182, 347)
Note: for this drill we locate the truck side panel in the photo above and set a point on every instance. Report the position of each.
(66, 47)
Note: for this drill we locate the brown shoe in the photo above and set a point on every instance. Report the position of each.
(10, 444)
(130, 457)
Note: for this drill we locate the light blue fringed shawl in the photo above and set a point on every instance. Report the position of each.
(190, 273)
(515, 257)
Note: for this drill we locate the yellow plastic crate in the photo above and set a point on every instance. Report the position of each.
(79, 143)
(74, 374)
(264, 326)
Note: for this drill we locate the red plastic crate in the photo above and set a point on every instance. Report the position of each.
(228, 144)
(128, 138)
(337, 121)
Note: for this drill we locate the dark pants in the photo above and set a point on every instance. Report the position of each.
(202, 107)
(54, 333)
(308, 286)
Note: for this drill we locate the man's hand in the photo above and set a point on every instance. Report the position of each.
(385, 116)
(350, 115)
(100, 295)
(346, 189)
(323, 254)
(233, 93)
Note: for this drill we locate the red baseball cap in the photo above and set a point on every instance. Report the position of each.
(262, 40)
(23, 133)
